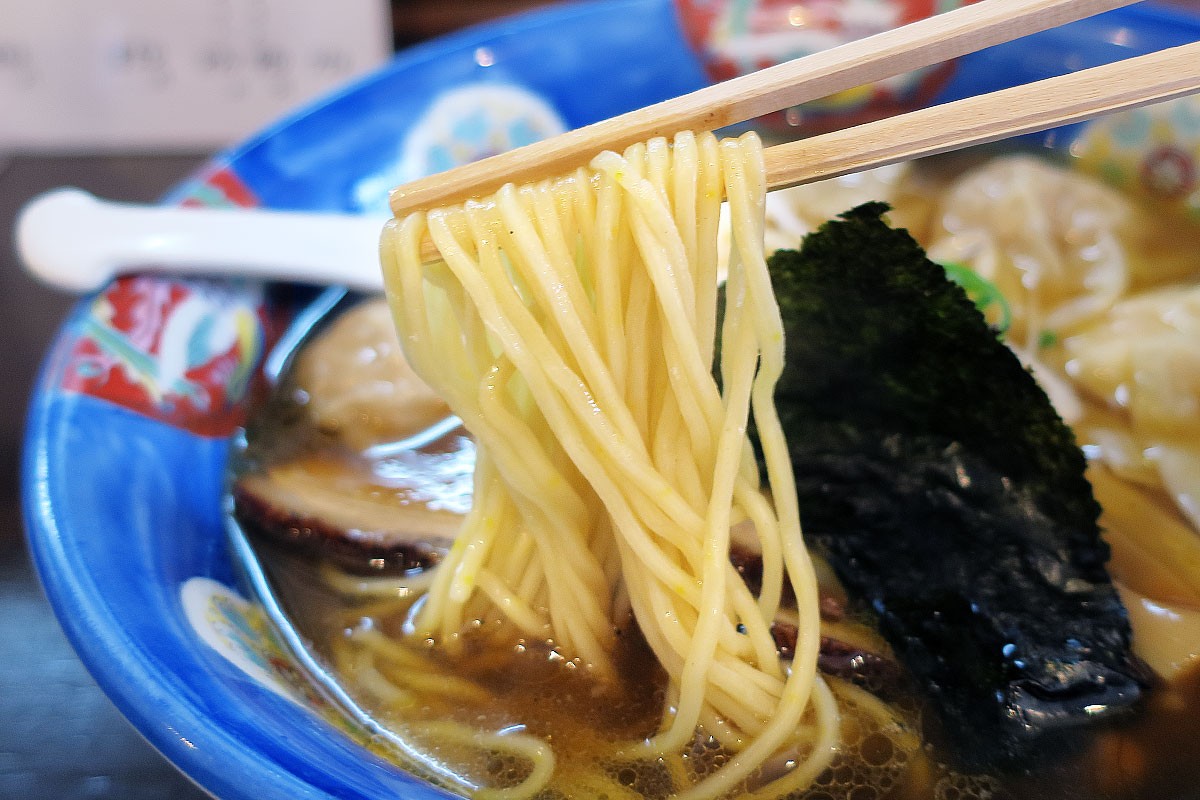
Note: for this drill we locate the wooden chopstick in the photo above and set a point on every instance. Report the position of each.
(1031, 107)
(918, 44)
(1037, 106)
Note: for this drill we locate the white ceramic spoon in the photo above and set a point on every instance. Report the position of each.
(74, 241)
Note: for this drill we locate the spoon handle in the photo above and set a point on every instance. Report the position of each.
(74, 241)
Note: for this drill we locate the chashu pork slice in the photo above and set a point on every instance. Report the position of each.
(400, 512)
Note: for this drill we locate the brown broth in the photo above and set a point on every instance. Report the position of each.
(591, 726)
(532, 686)
(1153, 755)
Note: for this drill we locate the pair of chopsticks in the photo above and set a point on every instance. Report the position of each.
(985, 118)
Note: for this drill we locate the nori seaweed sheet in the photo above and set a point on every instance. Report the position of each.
(948, 495)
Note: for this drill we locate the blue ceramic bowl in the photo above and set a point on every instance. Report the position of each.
(128, 432)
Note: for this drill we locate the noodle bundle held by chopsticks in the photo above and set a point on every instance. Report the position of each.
(571, 325)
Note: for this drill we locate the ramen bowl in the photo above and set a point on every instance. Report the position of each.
(148, 380)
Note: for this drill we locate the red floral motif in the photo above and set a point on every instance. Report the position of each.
(183, 352)
(1168, 172)
(734, 37)
(220, 186)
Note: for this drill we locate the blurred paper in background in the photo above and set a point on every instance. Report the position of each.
(173, 75)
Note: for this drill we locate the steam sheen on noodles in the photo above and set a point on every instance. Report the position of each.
(571, 326)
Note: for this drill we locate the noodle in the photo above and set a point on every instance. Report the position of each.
(571, 325)
(516, 745)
